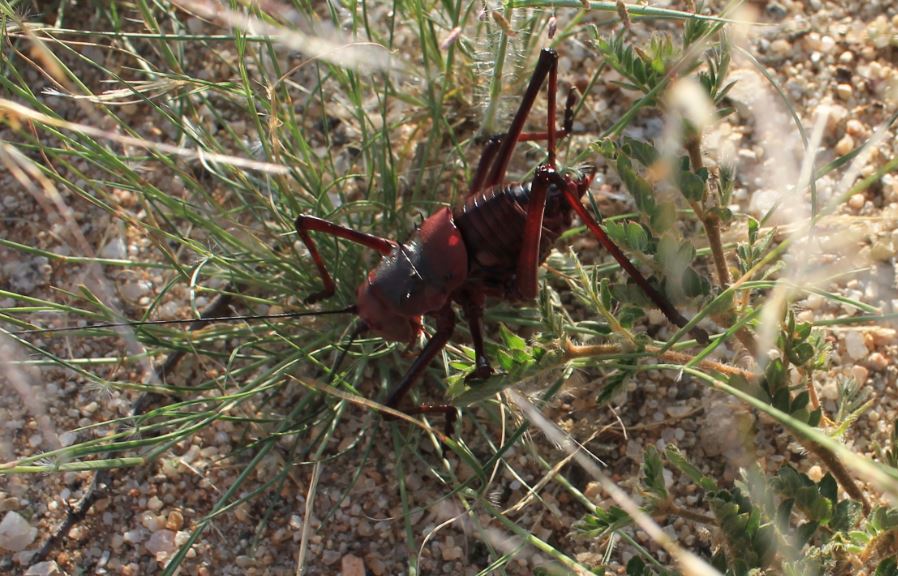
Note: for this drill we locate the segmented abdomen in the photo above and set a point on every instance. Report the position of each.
(492, 225)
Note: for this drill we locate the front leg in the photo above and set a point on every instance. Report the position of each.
(306, 223)
(445, 326)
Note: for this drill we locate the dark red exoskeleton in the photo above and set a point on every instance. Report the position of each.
(490, 245)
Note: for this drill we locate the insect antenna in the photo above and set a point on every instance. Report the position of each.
(359, 328)
(193, 322)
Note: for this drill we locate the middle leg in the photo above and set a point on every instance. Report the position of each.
(472, 301)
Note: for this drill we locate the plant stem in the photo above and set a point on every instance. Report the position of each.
(709, 218)
(711, 223)
(838, 470)
(669, 508)
(575, 351)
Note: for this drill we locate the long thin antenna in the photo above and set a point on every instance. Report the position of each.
(192, 321)
(359, 328)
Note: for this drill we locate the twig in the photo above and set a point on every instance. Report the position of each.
(709, 218)
(838, 470)
(711, 223)
(575, 351)
(671, 509)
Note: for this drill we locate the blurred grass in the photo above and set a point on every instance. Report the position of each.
(200, 143)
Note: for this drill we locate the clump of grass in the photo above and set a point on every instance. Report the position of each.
(194, 137)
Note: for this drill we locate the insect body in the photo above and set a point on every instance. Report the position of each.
(491, 245)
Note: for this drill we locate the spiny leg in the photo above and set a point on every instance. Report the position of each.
(550, 120)
(493, 143)
(483, 166)
(567, 126)
(445, 318)
(528, 258)
(306, 223)
(548, 62)
(659, 299)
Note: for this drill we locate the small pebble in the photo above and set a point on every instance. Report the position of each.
(78, 533)
(844, 91)
(175, 520)
(330, 557)
(781, 47)
(169, 310)
(855, 346)
(16, 533)
(815, 473)
(634, 451)
(150, 521)
(837, 114)
(882, 251)
(877, 361)
(134, 291)
(134, 536)
(352, 565)
(856, 202)
(182, 537)
(94, 53)
(242, 513)
(195, 25)
(161, 541)
(814, 301)
(376, 565)
(806, 316)
(776, 11)
(115, 249)
(68, 438)
(882, 336)
(678, 411)
(593, 491)
(24, 276)
(845, 145)
(855, 128)
(450, 550)
(46, 568)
